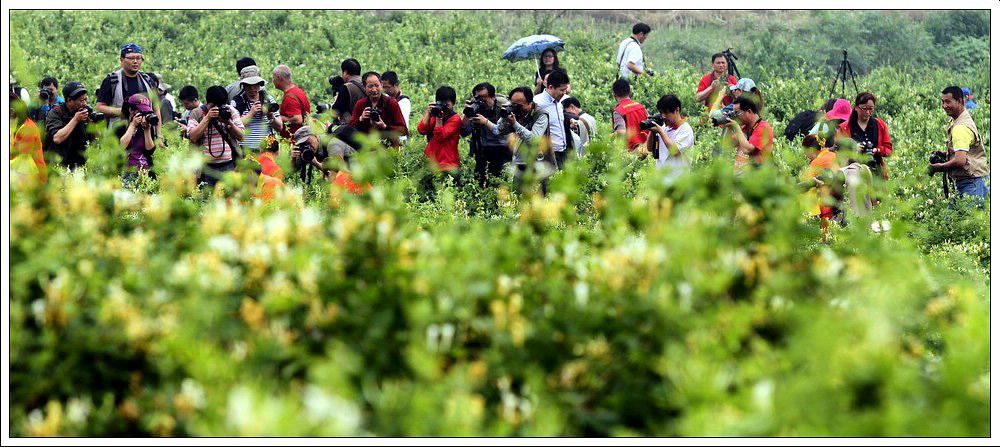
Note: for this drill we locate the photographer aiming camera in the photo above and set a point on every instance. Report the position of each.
(216, 128)
(670, 136)
(258, 112)
(307, 151)
(443, 128)
(531, 125)
(294, 108)
(378, 112)
(627, 115)
(137, 138)
(66, 124)
(122, 84)
(752, 137)
(964, 158)
(48, 97)
(478, 117)
(713, 88)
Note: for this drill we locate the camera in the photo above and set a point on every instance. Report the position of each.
(866, 147)
(93, 115)
(374, 116)
(335, 83)
(320, 108)
(151, 118)
(474, 107)
(509, 109)
(937, 157)
(45, 95)
(648, 124)
(438, 109)
(306, 152)
(723, 115)
(178, 117)
(269, 107)
(224, 114)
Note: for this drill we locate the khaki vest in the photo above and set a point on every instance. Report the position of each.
(975, 165)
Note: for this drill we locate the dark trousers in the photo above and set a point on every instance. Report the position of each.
(490, 160)
(211, 173)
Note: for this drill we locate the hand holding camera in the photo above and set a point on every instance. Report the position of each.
(255, 109)
(479, 119)
(82, 115)
(936, 159)
(437, 109)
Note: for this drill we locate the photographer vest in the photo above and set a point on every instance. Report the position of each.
(633, 113)
(975, 164)
(145, 80)
(357, 92)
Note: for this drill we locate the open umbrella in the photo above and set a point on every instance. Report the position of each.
(532, 47)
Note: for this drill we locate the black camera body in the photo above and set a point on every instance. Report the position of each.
(268, 107)
(474, 107)
(648, 123)
(866, 147)
(320, 108)
(93, 115)
(438, 109)
(151, 118)
(224, 114)
(374, 116)
(511, 108)
(308, 154)
(725, 114)
(45, 95)
(335, 83)
(937, 157)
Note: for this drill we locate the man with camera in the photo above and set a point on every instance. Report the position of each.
(236, 86)
(122, 84)
(557, 84)
(378, 112)
(294, 105)
(258, 112)
(217, 129)
(629, 59)
(670, 137)
(627, 115)
(488, 149)
(307, 151)
(713, 89)
(752, 136)
(443, 127)
(523, 118)
(48, 97)
(964, 159)
(350, 91)
(66, 124)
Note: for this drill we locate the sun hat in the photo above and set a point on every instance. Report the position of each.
(745, 84)
(160, 84)
(841, 110)
(250, 75)
(302, 135)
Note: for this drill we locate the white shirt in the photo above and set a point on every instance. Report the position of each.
(683, 137)
(554, 110)
(404, 108)
(629, 50)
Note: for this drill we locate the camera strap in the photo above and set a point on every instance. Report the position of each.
(235, 149)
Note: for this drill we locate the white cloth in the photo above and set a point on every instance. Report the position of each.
(554, 110)
(404, 108)
(675, 165)
(630, 50)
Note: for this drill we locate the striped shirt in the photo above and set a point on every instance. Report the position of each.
(212, 143)
(257, 129)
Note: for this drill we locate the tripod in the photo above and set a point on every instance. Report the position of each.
(731, 62)
(843, 72)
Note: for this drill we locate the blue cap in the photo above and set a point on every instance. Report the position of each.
(968, 99)
(131, 48)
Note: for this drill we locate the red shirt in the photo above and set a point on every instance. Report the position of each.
(27, 142)
(295, 103)
(268, 166)
(762, 139)
(442, 144)
(633, 112)
(884, 143)
(707, 81)
(392, 116)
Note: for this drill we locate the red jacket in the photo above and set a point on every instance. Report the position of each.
(884, 147)
(442, 144)
(392, 116)
(633, 112)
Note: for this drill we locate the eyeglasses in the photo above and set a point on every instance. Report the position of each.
(866, 109)
(134, 58)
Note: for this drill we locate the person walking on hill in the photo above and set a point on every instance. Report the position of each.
(629, 59)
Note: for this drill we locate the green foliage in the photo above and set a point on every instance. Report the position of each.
(618, 305)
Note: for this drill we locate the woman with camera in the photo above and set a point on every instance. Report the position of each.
(443, 127)
(871, 133)
(137, 137)
(259, 114)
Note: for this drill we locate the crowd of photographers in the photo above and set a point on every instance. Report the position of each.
(536, 130)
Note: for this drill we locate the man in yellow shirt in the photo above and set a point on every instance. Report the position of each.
(967, 163)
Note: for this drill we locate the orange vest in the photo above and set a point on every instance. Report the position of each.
(633, 112)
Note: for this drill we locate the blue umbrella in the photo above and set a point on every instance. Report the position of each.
(532, 46)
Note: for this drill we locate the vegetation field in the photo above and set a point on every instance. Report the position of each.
(619, 304)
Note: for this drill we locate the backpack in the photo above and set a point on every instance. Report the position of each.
(118, 98)
(800, 124)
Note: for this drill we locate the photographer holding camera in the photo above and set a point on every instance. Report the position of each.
(137, 138)
(627, 115)
(66, 126)
(122, 84)
(378, 112)
(670, 135)
(236, 86)
(307, 153)
(871, 134)
(258, 112)
(522, 118)
(752, 136)
(488, 149)
(964, 159)
(443, 127)
(294, 105)
(713, 88)
(350, 91)
(48, 97)
(215, 127)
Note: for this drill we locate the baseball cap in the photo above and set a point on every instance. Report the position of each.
(841, 110)
(160, 84)
(302, 134)
(745, 84)
(140, 102)
(250, 75)
(968, 99)
(72, 90)
(131, 48)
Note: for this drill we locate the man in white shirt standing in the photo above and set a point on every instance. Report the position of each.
(390, 85)
(556, 86)
(629, 57)
(669, 142)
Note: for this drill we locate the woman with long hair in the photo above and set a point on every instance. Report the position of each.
(546, 63)
(871, 133)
